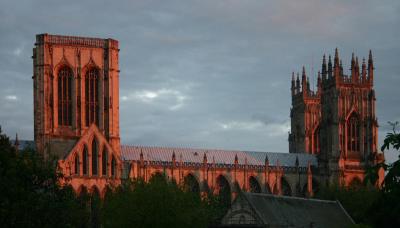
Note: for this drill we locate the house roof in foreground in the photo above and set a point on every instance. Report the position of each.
(224, 157)
(298, 212)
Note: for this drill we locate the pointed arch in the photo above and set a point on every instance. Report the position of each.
(316, 140)
(224, 190)
(353, 133)
(85, 161)
(254, 185)
(286, 189)
(82, 191)
(92, 84)
(190, 184)
(113, 166)
(104, 162)
(64, 98)
(95, 157)
(76, 164)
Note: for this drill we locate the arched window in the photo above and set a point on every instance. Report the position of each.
(104, 162)
(317, 146)
(254, 185)
(353, 134)
(113, 166)
(95, 157)
(85, 162)
(65, 96)
(76, 165)
(91, 96)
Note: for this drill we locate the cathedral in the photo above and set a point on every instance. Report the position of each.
(333, 136)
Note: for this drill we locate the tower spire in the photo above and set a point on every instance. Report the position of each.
(319, 83)
(336, 63)
(336, 66)
(323, 70)
(329, 67)
(293, 88)
(304, 81)
(363, 71)
(357, 71)
(370, 68)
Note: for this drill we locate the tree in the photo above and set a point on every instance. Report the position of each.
(30, 194)
(158, 203)
(368, 205)
(392, 178)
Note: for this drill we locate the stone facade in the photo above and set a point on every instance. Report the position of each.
(76, 95)
(338, 121)
(76, 119)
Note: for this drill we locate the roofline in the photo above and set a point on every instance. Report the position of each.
(252, 207)
(292, 197)
(214, 149)
(347, 214)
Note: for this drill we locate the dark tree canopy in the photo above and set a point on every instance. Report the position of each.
(158, 203)
(30, 195)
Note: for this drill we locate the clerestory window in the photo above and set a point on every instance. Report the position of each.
(65, 97)
(92, 96)
(353, 134)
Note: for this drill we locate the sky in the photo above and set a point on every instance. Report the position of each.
(207, 73)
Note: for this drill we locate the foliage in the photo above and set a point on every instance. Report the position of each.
(356, 201)
(392, 178)
(158, 203)
(30, 195)
(367, 205)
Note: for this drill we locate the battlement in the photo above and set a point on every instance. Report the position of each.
(75, 41)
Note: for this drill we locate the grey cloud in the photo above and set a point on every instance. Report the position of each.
(232, 60)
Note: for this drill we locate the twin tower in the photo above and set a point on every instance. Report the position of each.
(76, 112)
(337, 122)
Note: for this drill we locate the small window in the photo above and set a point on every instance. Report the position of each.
(353, 134)
(92, 96)
(65, 96)
(104, 162)
(76, 164)
(95, 157)
(85, 162)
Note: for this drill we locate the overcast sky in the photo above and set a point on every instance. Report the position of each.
(207, 73)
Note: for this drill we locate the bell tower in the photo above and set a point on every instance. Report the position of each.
(75, 85)
(305, 115)
(338, 121)
(349, 126)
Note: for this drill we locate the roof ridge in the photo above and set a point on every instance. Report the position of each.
(293, 197)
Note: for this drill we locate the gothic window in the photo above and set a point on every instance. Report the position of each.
(65, 96)
(113, 166)
(91, 96)
(85, 162)
(76, 165)
(95, 156)
(104, 162)
(353, 134)
(317, 146)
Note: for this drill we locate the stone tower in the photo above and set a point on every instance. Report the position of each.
(75, 85)
(338, 122)
(305, 116)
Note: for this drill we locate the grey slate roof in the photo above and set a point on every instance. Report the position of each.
(298, 212)
(226, 157)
